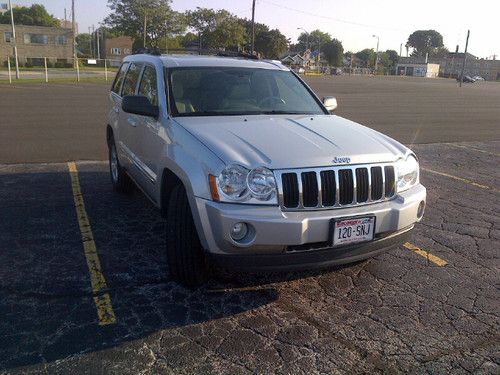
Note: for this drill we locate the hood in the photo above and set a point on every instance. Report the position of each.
(282, 142)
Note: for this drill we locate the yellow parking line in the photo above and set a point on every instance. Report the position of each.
(461, 179)
(474, 149)
(103, 304)
(434, 259)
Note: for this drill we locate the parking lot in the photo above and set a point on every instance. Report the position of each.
(430, 306)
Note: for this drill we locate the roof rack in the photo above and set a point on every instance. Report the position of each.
(198, 51)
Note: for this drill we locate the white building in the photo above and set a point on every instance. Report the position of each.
(408, 66)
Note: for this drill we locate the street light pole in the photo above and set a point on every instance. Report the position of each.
(253, 27)
(14, 39)
(376, 53)
(307, 36)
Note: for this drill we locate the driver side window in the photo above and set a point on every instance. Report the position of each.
(148, 86)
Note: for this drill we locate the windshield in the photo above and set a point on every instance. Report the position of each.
(220, 91)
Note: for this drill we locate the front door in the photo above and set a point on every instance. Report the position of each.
(150, 128)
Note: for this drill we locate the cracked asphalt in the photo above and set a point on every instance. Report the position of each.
(396, 313)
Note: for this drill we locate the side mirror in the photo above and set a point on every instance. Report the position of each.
(330, 103)
(139, 105)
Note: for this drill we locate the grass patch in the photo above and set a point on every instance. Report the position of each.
(57, 80)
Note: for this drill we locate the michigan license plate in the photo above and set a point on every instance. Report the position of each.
(349, 231)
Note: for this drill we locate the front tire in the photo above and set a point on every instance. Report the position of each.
(187, 262)
(119, 178)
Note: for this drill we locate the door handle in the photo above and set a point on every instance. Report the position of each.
(132, 122)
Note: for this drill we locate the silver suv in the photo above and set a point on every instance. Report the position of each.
(251, 170)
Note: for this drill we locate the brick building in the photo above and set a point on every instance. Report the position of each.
(36, 42)
(451, 66)
(115, 49)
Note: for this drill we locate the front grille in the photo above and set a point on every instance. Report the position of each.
(322, 188)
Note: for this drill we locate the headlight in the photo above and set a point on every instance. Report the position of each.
(408, 173)
(261, 183)
(238, 184)
(232, 182)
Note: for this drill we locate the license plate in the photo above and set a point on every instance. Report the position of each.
(352, 230)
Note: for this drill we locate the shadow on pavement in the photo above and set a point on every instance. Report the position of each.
(46, 302)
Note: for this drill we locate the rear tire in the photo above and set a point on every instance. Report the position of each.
(119, 178)
(187, 262)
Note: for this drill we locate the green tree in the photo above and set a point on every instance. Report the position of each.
(128, 18)
(334, 52)
(366, 56)
(392, 57)
(83, 45)
(424, 41)
(314, 39)
(217, 29)
(269, 43)
(35, 15)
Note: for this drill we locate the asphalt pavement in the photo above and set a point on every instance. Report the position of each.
(59, 122)
(428, 307)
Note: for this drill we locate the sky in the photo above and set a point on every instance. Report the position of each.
(353, 22)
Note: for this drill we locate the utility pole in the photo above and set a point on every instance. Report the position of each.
(14, 39)
(94, 54)
(98, 49)
(376, 53)
(465, 58)
(73, 28)
(253, 26)
(400, 49)
(90, 41)
(145, 24)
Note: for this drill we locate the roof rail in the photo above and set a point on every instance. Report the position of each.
(148, 51)
(199, 51)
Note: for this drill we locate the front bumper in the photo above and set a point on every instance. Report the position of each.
(274, 231)
(311, 259)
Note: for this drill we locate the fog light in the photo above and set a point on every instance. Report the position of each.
(239, 231)
(421, 209)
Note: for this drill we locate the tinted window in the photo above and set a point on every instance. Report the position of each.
(148, 85)
(119, 78)
(131, 79)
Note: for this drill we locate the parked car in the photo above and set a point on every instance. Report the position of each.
(467, 79)
(251, 170)
(478, 78)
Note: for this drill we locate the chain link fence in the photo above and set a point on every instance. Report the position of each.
(48, 69)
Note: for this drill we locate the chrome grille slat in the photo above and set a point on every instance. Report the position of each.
(335, 187)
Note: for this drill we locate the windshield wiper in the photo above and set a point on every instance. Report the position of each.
(284, 113)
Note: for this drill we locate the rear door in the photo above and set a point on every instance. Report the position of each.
(129, 141)
(116, 104)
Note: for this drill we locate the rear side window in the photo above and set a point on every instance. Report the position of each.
(131, 79)
(148, 85)
(117, 84)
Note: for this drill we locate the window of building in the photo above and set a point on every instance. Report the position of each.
(147, 87)
(36, 39)
(131, 79)
(61, 40)
(116, 51)
(4, 6)
(8, 37)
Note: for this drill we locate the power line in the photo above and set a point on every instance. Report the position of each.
(331, 18)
